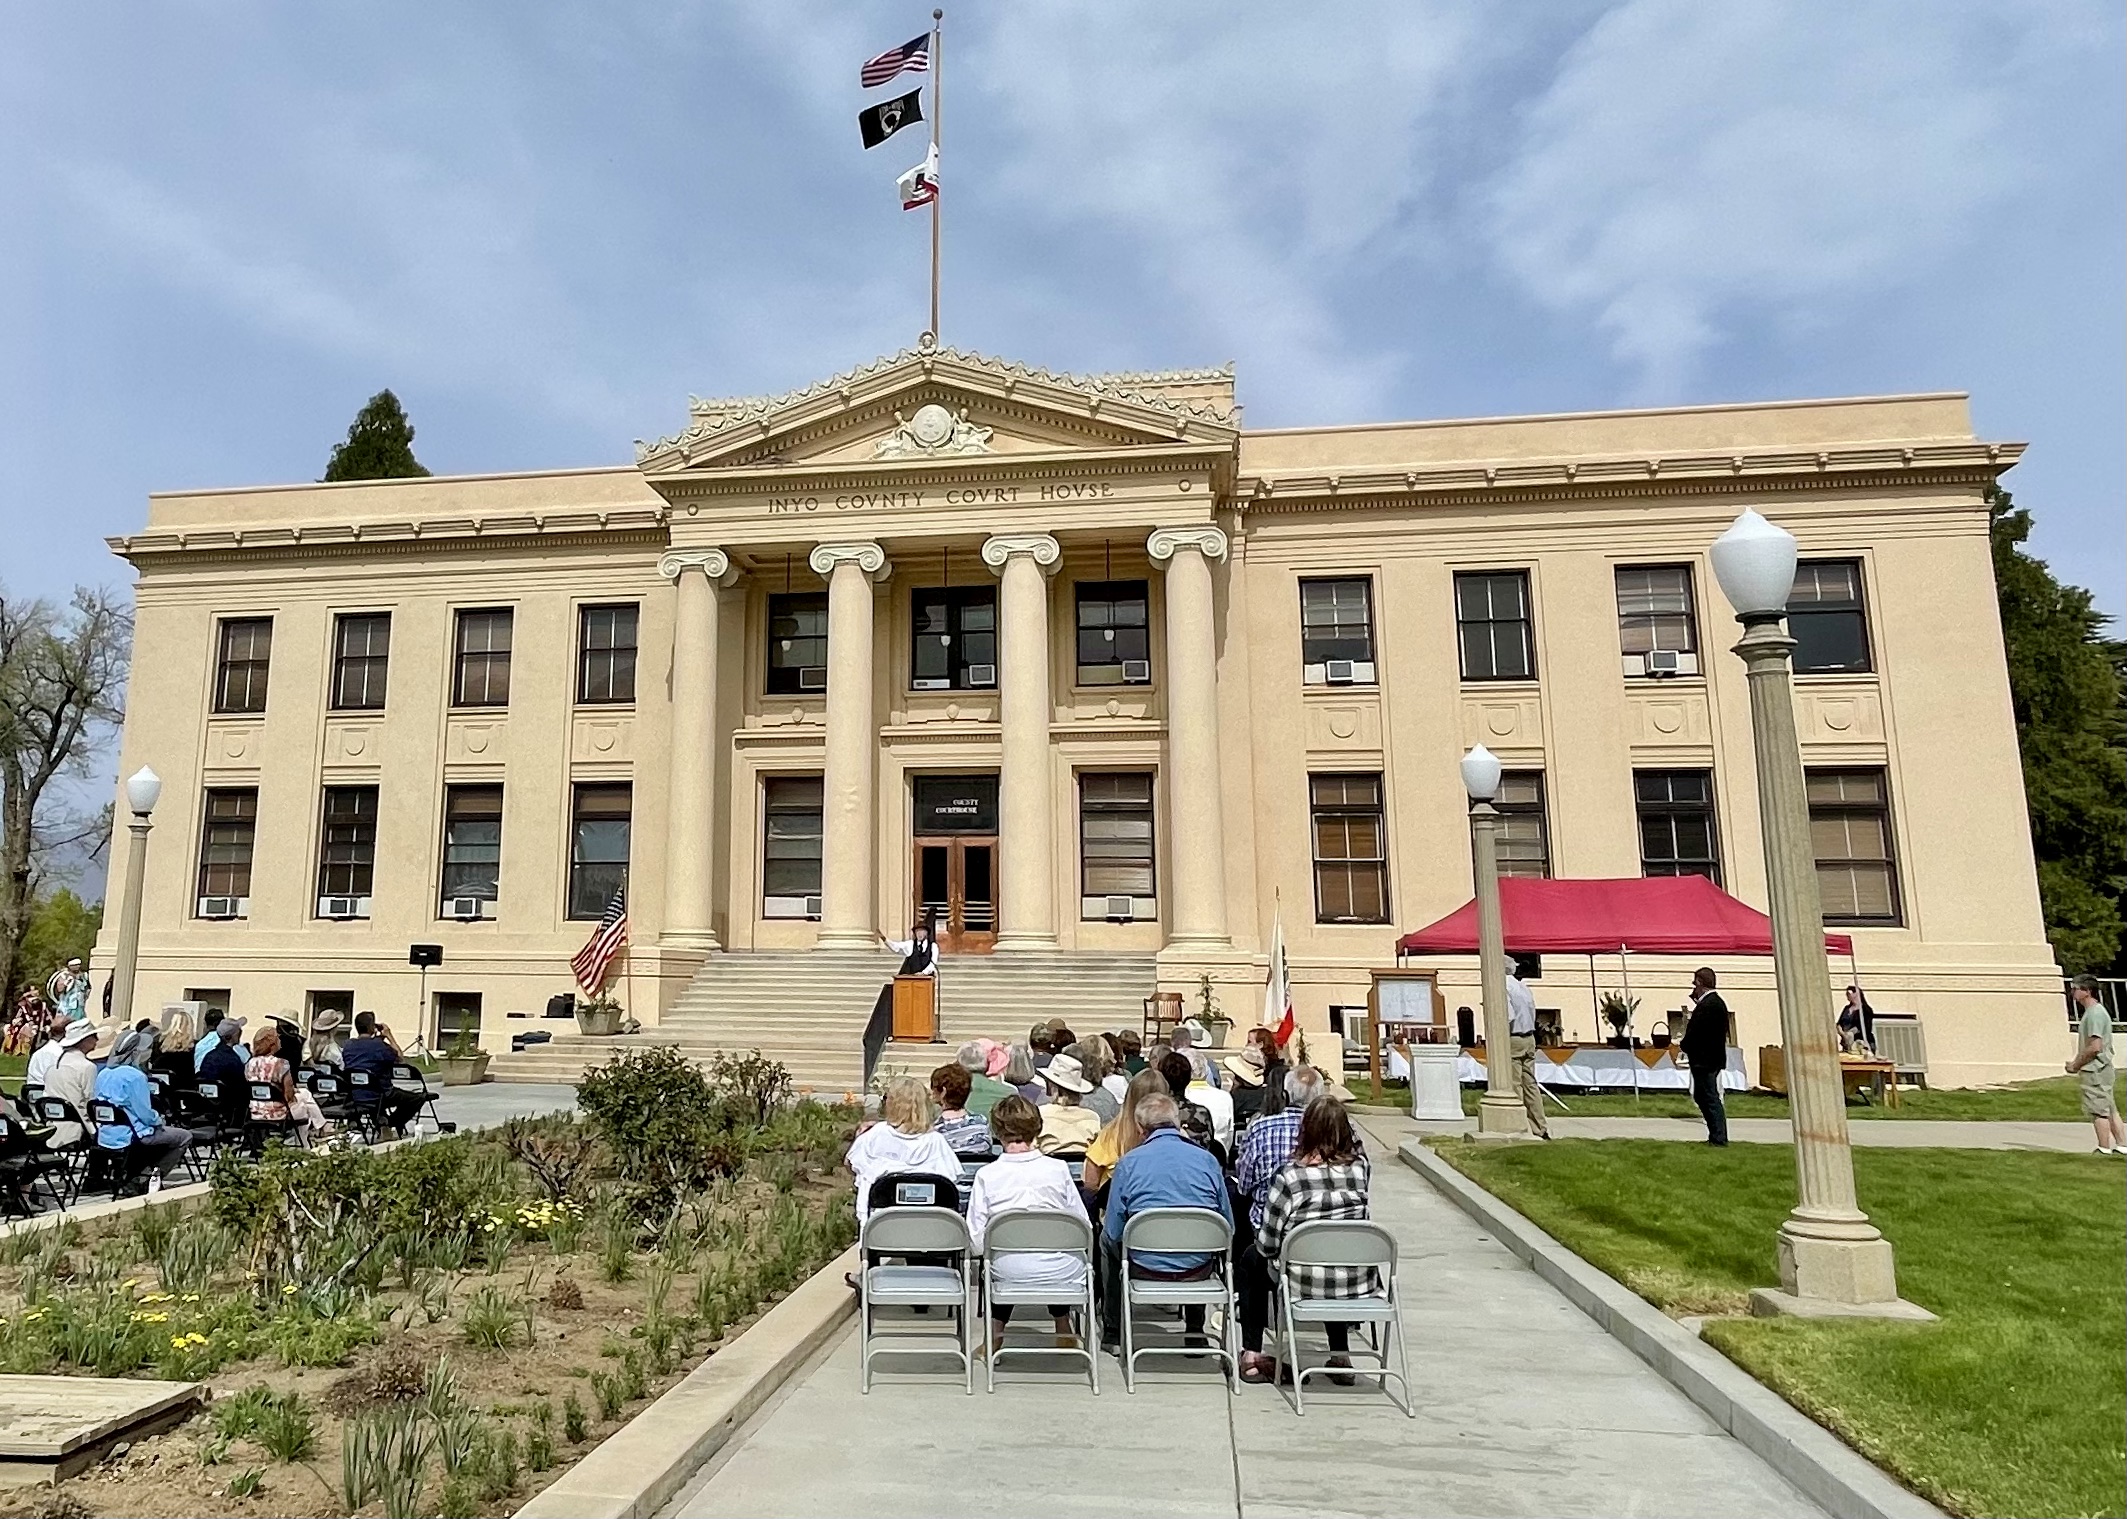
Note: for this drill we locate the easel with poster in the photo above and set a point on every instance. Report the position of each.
(1403, 1007)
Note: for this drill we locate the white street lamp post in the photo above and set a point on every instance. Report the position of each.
(143, 787)
(1500, 1113)
(1829, 1251)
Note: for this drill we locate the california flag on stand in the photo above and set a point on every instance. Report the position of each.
(1277, 992)
(919, 186)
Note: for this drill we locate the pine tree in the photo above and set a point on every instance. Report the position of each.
(379, 446)
(2065, 682)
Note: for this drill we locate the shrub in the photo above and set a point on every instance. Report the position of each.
(247, 1483)
(565, 1293)
(295, 1208)
(556, 1150)
(667, 1129)
(491, 1318)
(574, 1425)
(757, 1086)
(288, 1430)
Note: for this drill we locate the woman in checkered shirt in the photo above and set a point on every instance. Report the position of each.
(1327, 1179)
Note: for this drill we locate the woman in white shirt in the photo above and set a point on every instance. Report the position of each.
(1023, 1178)
(903, 1141)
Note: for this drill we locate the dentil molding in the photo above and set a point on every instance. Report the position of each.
(1165, 540)
(868, 557)
(713, 563)
(1039, 547)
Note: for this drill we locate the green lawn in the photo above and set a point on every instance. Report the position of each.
(2052, 1100)
(2014, 1404)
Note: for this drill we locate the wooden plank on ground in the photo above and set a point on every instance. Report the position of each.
(47, 1418)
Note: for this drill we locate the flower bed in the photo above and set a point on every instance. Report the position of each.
(500, 1302)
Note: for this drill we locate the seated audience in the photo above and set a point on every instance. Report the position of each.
(1067, 1125)
(1132, 1045)
(228, 1032)
(124, 1085)
(322, 1051)
(1023, 1178)
(1165, 1171)
(47, 1054)
(1122, 1136)
(73, 1077)
(1245, 1071)
(373, 1052)
(903, 1140)
(1328, 1179)
(224, 1063)
(267, 1068)
(172, 1059)
(1267, 1144)
(135, 1047)
(1204, 1088)
(1060, 1036)
(1039, 1049)
(1019, 1074)
(1093, 1062)
(1195, 1119)
(984, 1090)
(968, 1135)
(1118, 1077)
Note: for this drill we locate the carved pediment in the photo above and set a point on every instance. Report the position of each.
(942, 403)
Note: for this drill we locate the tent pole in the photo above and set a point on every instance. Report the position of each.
(1624, 971)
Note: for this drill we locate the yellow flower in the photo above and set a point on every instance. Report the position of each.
(289, 1290)
(177, 1342)
(190, 1297)
(130, 1283)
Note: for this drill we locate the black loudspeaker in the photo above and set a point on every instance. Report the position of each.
(424, 955)
(561, 1005)
(1466, 1027)
(1531, 966)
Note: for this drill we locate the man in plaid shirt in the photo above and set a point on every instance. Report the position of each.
(1266, 1144)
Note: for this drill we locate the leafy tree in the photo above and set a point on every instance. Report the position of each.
(61, 927)
(62, 680)
(379, 446)
(2065, 681)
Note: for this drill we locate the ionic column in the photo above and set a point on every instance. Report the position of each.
(848, 856)
(696, 574)
(1027, 908)
(1197, 907)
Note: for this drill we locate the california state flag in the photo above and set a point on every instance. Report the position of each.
(1277, 992)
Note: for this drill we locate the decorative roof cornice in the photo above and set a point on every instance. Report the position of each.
(712, 421)
(438, 533)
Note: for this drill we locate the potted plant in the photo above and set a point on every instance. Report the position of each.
(464, 1063)
(599, 1017)
(1215, 1022)
(1617, 1010)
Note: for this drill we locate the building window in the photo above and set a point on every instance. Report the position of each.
(1524, 833)
(797, 642)
(1827, 619)
(1114, 633)
(456, 1013)
(790, 847)
(214, 1004)
(1677, 836)
(1116, 870)
(472, 848)
(1657, 631)
(1492, 623)
(954, 639)
(1351, 849)
(361, 649)
(347, 856)
(605, 661)
(598, 848)
(1850, 832)
(481, 673)
(1337, 632)
(240, 664)
(226, 836)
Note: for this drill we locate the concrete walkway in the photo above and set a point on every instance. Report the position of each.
(493, 1101)
(1525, 1407)
(2071, 1138)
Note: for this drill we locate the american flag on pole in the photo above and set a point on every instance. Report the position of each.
(607, 940)
(911, 57)
(1277, 991)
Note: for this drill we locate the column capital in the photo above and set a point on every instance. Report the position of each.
(868, 557)
(714, 564)
(1206, 539)
(1046, 553)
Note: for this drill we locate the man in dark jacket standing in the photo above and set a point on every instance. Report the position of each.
(1705, 1049)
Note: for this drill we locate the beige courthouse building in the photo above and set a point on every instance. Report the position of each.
(1096, 675)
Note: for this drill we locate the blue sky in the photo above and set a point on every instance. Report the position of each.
(227, 223)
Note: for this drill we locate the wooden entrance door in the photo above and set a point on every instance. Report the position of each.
(956, 883)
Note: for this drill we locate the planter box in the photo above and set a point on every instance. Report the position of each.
(598, 1025)
(464, 1073)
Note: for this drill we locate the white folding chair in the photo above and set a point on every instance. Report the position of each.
(915, 1232)
(1179, 1231)
(1352, 1243)
(1028, 1229)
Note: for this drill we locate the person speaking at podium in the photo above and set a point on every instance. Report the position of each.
(919, 957)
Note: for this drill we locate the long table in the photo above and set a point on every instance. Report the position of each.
(1596, 1065)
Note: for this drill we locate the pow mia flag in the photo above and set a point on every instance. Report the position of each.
(881, 121)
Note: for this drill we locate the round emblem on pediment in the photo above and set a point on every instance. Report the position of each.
(931, 426)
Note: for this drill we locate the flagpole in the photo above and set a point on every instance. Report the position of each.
(937, 93)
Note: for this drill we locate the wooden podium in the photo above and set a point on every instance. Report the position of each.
(915, 1009)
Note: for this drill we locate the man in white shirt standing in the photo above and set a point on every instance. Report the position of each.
(1521, 1029)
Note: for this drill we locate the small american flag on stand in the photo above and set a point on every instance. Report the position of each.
(607, 940)
(911, 57)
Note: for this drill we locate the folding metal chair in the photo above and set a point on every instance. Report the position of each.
(919, 1232)
(1180, 1231)
(365, 1105)
(74, 1158)
(26, 1165)
(118, 1164)
(1024, 1230)
(406, 1077)
(1349, 1243)
(259, 1132)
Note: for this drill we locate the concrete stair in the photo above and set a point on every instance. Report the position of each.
(808, 1009)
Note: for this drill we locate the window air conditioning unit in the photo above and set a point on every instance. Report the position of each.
(468, 909)
(982, 675)
(343, 908)
(224, 907)
(1663, 662)
(931, 683)
(1121, 909)
(812, 678)
(1137, 672)
(1338, 672)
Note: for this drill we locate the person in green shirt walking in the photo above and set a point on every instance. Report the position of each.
(2093, 1062)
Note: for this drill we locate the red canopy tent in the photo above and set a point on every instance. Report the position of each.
(1655, 915)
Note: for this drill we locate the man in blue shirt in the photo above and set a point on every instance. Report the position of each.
(1165, 1171)
(372, 1053)
(125, 1087)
